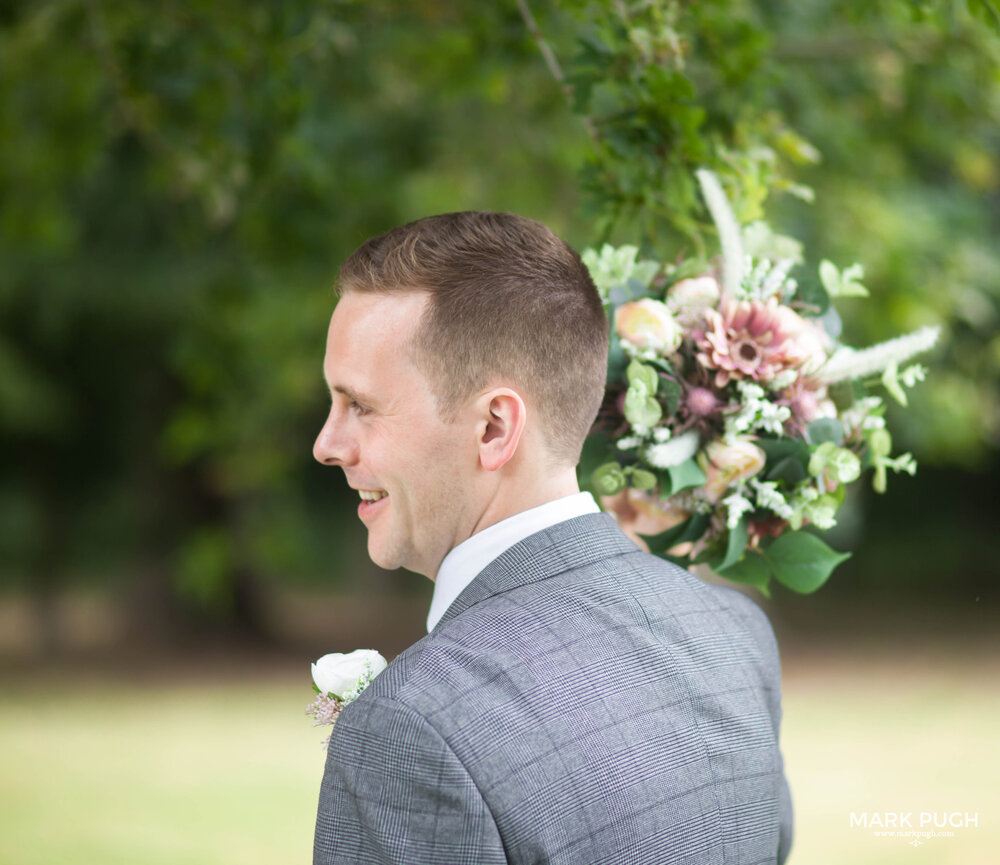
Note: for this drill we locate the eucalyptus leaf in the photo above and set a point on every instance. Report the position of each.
(826, 429)
(831, 322)
(640, 409)
(641, 372)
(686, 475)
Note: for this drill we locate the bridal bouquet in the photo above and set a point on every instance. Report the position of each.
(734, 418)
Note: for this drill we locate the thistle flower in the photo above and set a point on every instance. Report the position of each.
(847, 363)
(701, 402)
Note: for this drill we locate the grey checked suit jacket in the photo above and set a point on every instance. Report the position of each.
(580, 702)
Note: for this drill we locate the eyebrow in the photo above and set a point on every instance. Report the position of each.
(353, 394)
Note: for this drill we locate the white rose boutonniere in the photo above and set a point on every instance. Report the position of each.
(339, 679)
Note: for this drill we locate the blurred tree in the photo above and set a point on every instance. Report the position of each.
(177, 181)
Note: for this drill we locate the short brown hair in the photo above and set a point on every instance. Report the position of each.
(508, 299)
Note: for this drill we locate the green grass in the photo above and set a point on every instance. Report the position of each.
(193, 774)
(916, 734)
(121, 773)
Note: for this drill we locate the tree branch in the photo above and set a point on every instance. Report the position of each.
(551, 61)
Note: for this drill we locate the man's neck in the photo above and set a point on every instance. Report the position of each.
(511, 499)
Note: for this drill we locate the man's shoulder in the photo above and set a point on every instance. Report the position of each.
(510, 637)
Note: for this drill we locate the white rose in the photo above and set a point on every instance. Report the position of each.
(340, 674)
(689, 298)
(648, 324)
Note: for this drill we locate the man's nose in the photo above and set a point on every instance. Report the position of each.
(333, 445)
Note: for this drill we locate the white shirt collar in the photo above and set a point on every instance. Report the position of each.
(466, 560)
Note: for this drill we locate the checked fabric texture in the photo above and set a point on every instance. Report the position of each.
(581, 702)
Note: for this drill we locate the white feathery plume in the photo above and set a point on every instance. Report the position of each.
(729, 230)
(673, 452)
(846, 363)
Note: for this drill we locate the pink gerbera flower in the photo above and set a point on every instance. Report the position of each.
(755, 339)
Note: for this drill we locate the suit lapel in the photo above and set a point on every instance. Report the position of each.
(571, 544)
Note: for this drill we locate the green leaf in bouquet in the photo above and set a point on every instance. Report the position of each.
(826, 429)
(811, 292)
(596, 449)
(842, 394)
(736, 545)
(608, 479)
(839, 464)
(831, 322)
(689, 267)
(801, 561)
(752, 570)
(842, 284)
(663, 365)
(671, 392)
(641, 479)
(778, 449)
(790, 470)
(761, 242)
(640, 408)
(690, 530)
(822, 512)
(625, 292)
(686, 475)
(844, 466)
(643, 373)
(617, 360)
(890, 379)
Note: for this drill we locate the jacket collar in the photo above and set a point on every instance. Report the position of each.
(565, 546)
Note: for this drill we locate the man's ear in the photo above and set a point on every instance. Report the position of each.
(501, 427)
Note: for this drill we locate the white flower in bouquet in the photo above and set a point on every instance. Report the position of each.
(727, 463)
(689, 298)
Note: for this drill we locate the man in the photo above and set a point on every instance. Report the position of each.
(576, 700)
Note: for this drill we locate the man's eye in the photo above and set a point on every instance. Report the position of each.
(357, 408)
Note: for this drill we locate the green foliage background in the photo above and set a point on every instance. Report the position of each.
(178, 182)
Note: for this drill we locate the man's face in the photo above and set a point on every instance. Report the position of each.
(414, 472)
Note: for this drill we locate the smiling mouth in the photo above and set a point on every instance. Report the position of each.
(372, 495)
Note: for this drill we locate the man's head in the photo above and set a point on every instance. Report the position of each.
(509, 301)
(466, 361)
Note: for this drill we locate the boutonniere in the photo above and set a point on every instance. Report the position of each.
(339, 679)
